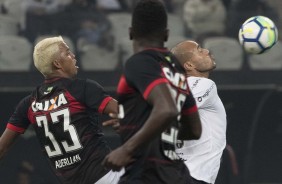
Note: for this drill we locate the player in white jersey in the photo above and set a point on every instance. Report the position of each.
(203, 156)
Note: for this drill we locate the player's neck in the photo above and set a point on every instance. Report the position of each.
(57, 75)
(140, 45)
(197, 74)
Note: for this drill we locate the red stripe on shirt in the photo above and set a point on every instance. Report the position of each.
(15, 128)
(152, 85)
(104, 104)
(123, 87)
(190, 110)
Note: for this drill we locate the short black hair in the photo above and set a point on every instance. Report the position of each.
(149, 19)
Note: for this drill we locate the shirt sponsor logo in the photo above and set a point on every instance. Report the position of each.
(199, 99)
(179, 143)
(195, 84)
(49, 104)
(67, 161)
(181, 155)
(208, 92)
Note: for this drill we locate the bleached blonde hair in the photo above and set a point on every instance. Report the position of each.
(45, 52)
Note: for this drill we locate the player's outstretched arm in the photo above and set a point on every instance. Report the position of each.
(111, 107)
(112, 110)
(163, 113)
(6, 141)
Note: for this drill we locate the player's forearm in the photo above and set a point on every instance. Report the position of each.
(191, 127)
(158, 121)
(2, 151)
(164, 112)
(3, 148)
(6, 141)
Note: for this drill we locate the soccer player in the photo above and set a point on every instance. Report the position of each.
(63, 112)
(202, 156)
(154, 97)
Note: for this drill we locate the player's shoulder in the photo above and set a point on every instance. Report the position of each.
(25, 101)
(83, 83)
(27, 98)
(140, 62)
(200, 83)
(139, 58)
(75, 83)
(79, 85)
(196, 81)
(64, 83)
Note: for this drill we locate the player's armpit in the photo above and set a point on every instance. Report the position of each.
(191, 127)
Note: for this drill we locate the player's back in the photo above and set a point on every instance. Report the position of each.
(64, 114)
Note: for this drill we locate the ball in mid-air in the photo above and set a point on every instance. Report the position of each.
(258, 34)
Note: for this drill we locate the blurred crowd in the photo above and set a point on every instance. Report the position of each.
(96, 30)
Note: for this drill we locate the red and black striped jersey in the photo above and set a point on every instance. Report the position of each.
(156, 161)
(64, 114)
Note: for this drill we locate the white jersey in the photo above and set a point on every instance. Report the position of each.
(202, 156)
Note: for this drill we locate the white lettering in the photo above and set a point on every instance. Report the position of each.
(171, 136)
(46, 105)
(171, 154)
(62, 100)
(67, 161)
(177, 79)
(39, 106)
(49, 104)
(33, 107)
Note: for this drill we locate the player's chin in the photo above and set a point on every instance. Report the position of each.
(74, 73)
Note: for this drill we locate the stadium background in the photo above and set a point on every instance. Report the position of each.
(96, 31)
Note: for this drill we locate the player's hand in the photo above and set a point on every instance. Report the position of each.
(114, 123)
(117, 159)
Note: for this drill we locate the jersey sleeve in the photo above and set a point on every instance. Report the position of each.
(204, 91)
(144, 72)
(19, 122)
(95, 96)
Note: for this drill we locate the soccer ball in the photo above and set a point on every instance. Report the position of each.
(258, 34)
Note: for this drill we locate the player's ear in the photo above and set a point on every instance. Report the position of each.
(187, 65)
(130, 33)
(57, 64)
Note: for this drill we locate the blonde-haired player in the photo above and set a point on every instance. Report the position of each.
(45, 52)
(63, 113)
